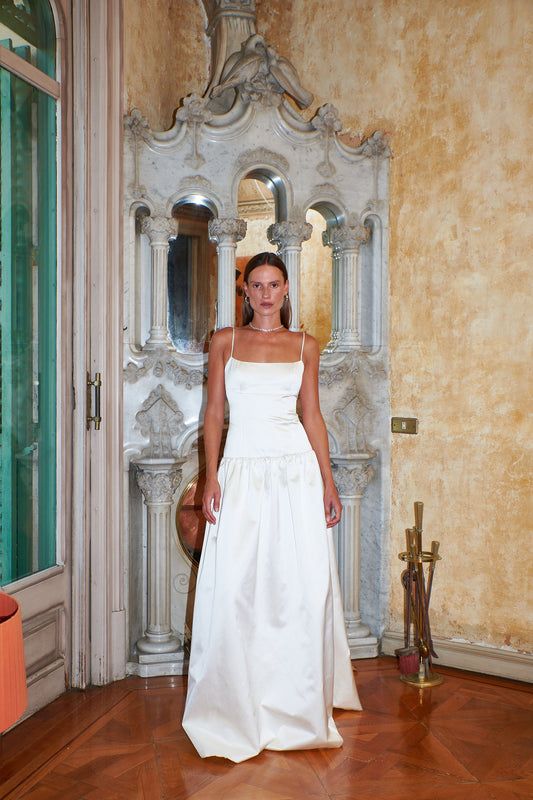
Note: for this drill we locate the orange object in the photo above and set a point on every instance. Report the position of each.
(13, 691)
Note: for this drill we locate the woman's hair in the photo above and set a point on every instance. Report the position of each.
(271, 260)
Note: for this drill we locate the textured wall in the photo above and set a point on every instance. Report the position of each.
(451, 83)
(165, 56)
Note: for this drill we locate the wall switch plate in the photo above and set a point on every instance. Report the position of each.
(404, 425)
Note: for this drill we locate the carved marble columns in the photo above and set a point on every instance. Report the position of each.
(160, 652)
(226, 233)
(345, 241)
(352, 474)
(289, 237)
(159, 229)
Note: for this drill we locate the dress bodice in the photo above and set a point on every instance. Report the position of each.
(262, 402)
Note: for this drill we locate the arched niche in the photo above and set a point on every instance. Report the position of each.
(258, 200)
(192, 276)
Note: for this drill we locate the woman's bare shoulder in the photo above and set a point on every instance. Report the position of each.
(311, 347)
(220, 338)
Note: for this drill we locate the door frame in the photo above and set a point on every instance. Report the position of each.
(98, 576)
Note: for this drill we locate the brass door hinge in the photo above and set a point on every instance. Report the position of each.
(96, 417)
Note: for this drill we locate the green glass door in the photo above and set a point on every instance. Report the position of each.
(28, 234)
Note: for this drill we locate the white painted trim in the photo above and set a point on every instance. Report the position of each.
(31, 580)
(80, 675)
(103, 185)
(18, 66)
(481, 658)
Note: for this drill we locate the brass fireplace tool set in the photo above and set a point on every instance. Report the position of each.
(415, 660)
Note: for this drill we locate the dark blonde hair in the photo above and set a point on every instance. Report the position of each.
(271, 260)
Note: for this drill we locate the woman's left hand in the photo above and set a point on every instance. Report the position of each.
(332, 505)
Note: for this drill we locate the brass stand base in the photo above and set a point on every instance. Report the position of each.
(425, 682)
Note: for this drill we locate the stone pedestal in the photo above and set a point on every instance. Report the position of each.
(159, 230)
(289, 236)
(226, 233)
(159, 650)
(352, 473)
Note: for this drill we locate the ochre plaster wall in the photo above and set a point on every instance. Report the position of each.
(165, 56)
(451, 84)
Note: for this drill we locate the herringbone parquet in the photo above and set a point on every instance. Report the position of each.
(469, 739)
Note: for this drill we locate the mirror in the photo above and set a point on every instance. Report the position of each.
(192, 279)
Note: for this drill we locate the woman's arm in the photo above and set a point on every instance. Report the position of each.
(214, 421)
(315, 428)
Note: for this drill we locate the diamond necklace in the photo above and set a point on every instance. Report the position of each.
(266, 330)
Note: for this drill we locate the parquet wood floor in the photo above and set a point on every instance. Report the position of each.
(469, 739)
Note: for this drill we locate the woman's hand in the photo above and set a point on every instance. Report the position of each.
(332, 505)
(211, 499)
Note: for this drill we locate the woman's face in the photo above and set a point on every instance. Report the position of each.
(266, 288)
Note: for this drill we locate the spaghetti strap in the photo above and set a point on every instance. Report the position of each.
(303, 340)
(232, 341)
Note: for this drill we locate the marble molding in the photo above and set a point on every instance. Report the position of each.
(247, 127)
(159, 419)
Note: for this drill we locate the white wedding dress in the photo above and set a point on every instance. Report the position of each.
(269, 654)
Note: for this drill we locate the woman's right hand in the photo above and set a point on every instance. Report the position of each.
(211, 499)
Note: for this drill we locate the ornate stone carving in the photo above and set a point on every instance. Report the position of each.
(194, 113)
(227, 230)
(258, 73)
(327, 121)
(167, 367)
(138, 125)
(261, 155)
(158, 487)
(327, 376)
(349, 237)
(376, 145)
(349, 417)
(229, 23)
(289, 234)
(159, 229)
(196, 181)
(352, 481)
(160, 419)
(140, 130)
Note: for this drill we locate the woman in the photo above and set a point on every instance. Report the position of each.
(269, 654)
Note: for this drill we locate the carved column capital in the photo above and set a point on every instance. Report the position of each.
(348, 237)
(158, 482)
(289, 234)
(227, 231)
(159, 229)
(352, 480)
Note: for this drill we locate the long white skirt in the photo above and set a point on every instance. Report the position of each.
(269, 654)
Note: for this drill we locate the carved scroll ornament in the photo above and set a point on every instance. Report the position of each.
(259, 73)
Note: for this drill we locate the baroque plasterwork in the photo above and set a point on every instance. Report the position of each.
(259, 74)
(246, 123)
(352, 481)
(158, 487)
(165, 365)
(159, 420)
(262, 155)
